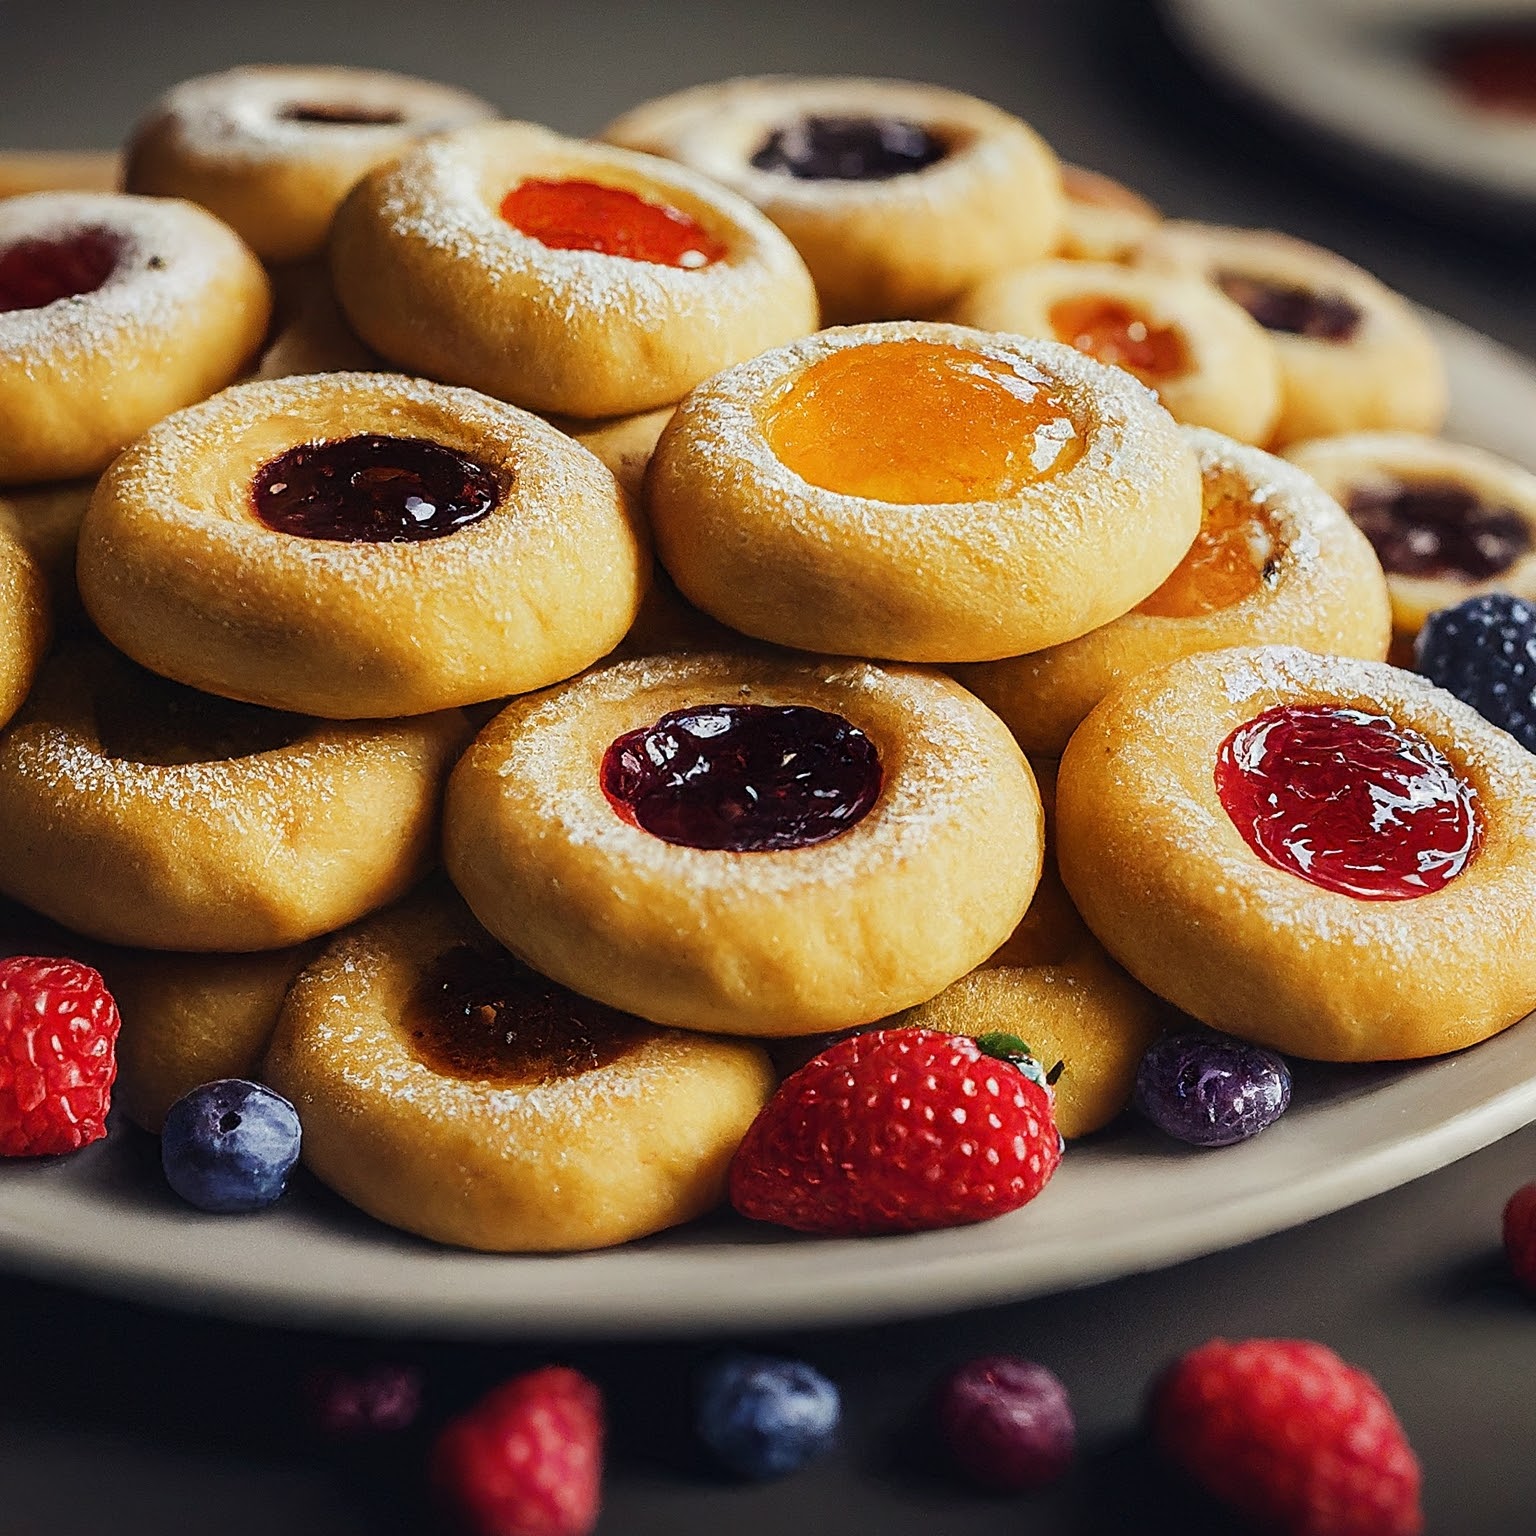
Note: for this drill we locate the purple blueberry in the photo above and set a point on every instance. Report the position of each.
(229, 1146)
(763, 1417)
(1484, 651)
(1007, 1423)
(1211, 1090)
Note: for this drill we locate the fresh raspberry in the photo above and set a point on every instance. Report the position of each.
(527, 1459)
(1291, 1437)
(58, 1056)
(1007, 1423)
(899, 1130)
(1520, 1235)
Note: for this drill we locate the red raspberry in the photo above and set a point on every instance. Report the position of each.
(58, 1056)
(1520, 1235)
(527, 1459)
(897, 1130)
(1291, 1437)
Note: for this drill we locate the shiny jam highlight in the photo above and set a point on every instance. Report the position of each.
(745, 778)
(35, 273)
(371, 489)
(486, 1017)
(1350, 801)
(1235, 553)
(587, 216)
(921, 421)
(1119, 334)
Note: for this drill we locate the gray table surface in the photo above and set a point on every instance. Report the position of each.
(120, 1419)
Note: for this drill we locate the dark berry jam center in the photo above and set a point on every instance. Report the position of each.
(1350, 801)
(38, 272)
(1438, 529)
(337, 115)
(483, 1015)
(744, 777)
(141, 718)
(586, 216)
(379, 490)
(849, 149)
(1293, 310)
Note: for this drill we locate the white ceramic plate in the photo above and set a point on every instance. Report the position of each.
(1357, 71)
(1125, 1201)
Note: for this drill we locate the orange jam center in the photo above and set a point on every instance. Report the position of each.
(1233, 555)
(1117, 334)
(585, 216)
(921, 421)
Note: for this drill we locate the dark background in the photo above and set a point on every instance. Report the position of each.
(123, 1420)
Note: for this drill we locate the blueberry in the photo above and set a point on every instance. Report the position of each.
(1484, 651)
(1211, 1090)
(1007, 1423)
(762, 1417)
(229, 1146)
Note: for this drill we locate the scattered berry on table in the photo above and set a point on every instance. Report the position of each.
(230, 1145)
(361, 1404)
(1484, 651)
(763, 1417)
(1210, 1090)
(1291, 1437)
(527, 1459)
(58, 1056)
(1520, 1235)
(1007, 1423)
(898, 1130)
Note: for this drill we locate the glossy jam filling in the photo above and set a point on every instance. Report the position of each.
(141, 718)
(373, 490)
(1119, 334)
(586, 216)
(1234, 554)
(849, 149)
(747, 778)
(38, 272)
(1350, 801)
(1492, 67)
(1438, 529)
(484, 1016)
(334, 114)
(1293, 310)
(921, 421)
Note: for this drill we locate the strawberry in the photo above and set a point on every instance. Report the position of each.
(1291, 1437)
(900, 1130)
(527, 1459)
(1520, 1236)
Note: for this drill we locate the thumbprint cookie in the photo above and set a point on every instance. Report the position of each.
(309, 332)
(272, 149)
(1353, 355)
(921, 492)
(1104, 220)
(561, 275)
(899, 196)
(1210, 363)
(747, 844)
(58, 170)
(1326, 856)
(45, 520)
(140, 813)
(114, 311)
(26, 624)
(1276, 562)
(447, 1089)
(1447, 521)
(360, 545)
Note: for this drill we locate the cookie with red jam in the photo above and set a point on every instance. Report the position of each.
(1326, 856)
(447, 1089)
(748, 844)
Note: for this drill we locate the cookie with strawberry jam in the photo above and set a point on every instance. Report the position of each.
(561, 275)
(899, 196)
(1326, 856)
(448, 1089)
(747, 844)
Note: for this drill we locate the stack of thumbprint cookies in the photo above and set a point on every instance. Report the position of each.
(501, 628)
